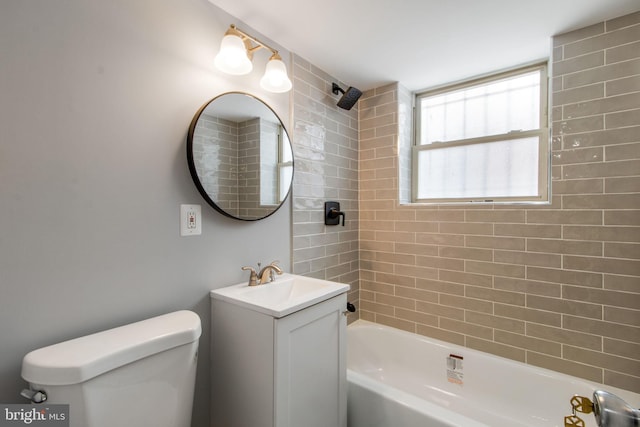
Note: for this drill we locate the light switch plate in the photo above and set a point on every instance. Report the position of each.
(190, 220)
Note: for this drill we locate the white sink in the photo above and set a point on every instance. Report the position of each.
(287, 294)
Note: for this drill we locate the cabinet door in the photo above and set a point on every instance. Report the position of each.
(311, 383)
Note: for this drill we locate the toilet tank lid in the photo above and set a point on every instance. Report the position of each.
(80, 359)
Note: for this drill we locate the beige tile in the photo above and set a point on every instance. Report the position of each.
(622, 283)
(393, 278)
(514, 243)
(509, 216)
(440, 215)
(528, 230)
(417, 317)
(578, 155)
(377, 287)
(466, 303)
(466, 253)
(568, 367)
(573, 247)
(607, 361)
(604, 137)
(440, 334)
(440, 286)
(601, 74)
(622, 250)
(415, 249)
(601, 296)
(580, 34)
(578, 186)
(466, 328)
(528, 258)
(622, 119)
(578, 125)
(376, 308)
(416, 294)
(496, 348)
(577, 307)
(621, 217)
(528, 314)
(439, 262)
(608, 169)
(495, 295)
(606, 233)
(495, 269)
(572, 63)
(579, 94)
(603, 41)
(394, 322)
(466, 278)
(466, 228)
(422, 227)
(564, 336)
(564, 276)
(623, 381)
(623, 152)
(601, 328)
(621, 348)
(603, 265)
(623, 185)
(440, 310)
(495, 322)
(528, 286)
(440, 239)
(624, 85)
(395, 301)
(622, 21)
(528, 343)
(622, 315)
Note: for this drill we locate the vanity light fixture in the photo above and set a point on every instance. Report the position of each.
(236, 54)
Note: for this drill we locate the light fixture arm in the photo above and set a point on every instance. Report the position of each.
(248, 39)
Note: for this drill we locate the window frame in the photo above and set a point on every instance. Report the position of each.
(544, 152)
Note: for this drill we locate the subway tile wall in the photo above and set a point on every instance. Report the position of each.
(556, 286)
(325, 145)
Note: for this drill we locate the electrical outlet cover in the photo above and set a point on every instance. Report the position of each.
(190, 220)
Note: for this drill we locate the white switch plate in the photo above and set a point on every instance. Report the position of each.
(190, 220)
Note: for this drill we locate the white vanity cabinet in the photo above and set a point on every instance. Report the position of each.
(279, 372)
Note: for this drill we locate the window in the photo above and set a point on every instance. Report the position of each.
(484, 140)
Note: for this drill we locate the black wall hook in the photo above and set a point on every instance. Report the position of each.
(332, 213)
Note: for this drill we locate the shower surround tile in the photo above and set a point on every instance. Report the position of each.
(556, 286)
(325, 145)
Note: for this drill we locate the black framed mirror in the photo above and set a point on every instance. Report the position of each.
(240, 156)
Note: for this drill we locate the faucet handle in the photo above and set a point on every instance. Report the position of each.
(253, 277)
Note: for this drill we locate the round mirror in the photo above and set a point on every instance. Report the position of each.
(240, 156)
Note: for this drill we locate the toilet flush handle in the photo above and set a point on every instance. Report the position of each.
(35, 396)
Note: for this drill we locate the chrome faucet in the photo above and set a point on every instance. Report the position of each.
(266, 274)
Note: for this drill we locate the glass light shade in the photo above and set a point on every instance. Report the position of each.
(233, 58)
(275, 77)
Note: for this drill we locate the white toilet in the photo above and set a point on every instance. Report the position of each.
(142, 374)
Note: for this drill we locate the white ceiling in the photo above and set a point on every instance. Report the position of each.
(420, 43)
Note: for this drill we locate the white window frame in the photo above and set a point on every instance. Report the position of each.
(544, 173)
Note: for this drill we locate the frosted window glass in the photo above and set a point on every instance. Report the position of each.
(483, 170)
(494, 108)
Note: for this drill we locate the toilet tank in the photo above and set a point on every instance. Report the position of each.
(141, 374)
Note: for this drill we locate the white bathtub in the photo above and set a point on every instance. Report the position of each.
(399, 379)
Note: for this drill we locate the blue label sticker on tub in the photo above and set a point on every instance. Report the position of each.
(55, 415)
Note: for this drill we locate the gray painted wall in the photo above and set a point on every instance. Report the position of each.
(95, 101)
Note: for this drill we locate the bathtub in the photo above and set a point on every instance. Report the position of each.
(399, 379)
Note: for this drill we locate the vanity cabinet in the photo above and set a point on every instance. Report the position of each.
(280, 372)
